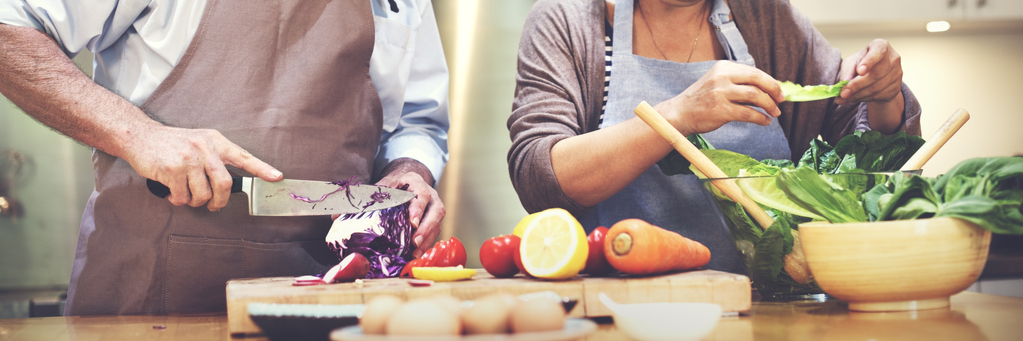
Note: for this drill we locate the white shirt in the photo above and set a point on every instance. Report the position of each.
(137, 42)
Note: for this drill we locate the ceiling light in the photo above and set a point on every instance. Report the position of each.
(938, 26)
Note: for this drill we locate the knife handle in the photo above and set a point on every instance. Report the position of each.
(162, 191)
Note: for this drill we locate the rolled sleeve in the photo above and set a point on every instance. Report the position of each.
(74, 25)
(421, 133)
(17, 13)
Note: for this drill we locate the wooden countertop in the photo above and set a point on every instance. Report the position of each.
(972, 317)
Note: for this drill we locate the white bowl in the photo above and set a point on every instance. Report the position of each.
(664, 321)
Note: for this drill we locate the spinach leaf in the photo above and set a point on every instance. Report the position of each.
(998, 216)
(871, 151)
(786, 163)
(775, 243)
(1000, 178)
(985, 191)
(911, 197)
(820, 157)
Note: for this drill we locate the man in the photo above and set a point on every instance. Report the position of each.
(185, 90)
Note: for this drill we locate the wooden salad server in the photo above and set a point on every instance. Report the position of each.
(945, 132)
(795, 262)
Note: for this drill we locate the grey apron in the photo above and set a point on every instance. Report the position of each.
(677, 202)
(286, 80)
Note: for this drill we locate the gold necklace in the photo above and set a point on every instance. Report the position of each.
(654, 40)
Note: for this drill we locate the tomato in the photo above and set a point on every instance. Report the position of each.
(498, 255)
(596, 262)
(446, 253)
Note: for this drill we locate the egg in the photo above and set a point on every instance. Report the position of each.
(449, 302)
(378, 310)
(425, 316)
(537, 315)
(489, 314)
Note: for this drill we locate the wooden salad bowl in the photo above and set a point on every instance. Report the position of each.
(895, 265)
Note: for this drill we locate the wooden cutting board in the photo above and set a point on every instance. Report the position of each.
(731, 291)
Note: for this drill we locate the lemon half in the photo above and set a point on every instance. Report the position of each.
(553, 245)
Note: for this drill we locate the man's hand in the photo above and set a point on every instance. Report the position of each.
(426, 209)
(191, 162)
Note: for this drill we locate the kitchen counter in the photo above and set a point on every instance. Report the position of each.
(972, 317)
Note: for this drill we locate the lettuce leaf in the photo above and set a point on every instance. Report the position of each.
(798, 93)
(822, 196)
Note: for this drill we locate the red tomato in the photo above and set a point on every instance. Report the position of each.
(596, 262)
(447, 253)
(443, 254)
(498, 255)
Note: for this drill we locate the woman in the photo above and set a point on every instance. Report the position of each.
(710, 66)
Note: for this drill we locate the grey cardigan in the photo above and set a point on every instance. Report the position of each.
(560, 84)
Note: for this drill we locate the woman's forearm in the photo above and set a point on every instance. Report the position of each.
(886, 117)
(594, 166)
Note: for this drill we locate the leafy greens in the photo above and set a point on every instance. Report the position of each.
(985, 191)
(813, 189)
(798, 93)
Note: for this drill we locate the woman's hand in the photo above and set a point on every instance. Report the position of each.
(875, 77)
(724, 94)
(874, 74)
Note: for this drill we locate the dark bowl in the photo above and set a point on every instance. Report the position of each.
(303, 321)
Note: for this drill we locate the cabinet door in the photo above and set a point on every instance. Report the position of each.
(979, 10)
(872, 11)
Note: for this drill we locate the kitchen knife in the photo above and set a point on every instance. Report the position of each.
(304, 198)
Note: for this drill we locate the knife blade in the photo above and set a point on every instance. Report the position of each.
(305, 198)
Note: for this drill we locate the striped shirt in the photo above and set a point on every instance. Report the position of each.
(608, 33)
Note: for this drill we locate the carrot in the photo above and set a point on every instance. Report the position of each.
(636, 247)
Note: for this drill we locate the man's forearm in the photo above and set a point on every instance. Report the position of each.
(42, 81)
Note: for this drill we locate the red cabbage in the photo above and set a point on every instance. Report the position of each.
(383, 236)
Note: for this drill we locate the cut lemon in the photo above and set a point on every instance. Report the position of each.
(521, 226)
(553, 245)
(442, 274)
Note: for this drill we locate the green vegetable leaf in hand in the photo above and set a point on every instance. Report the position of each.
(798, 93)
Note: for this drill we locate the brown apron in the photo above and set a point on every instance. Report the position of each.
(286, 80)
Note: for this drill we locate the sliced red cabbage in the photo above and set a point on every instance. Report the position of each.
(383, 236)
